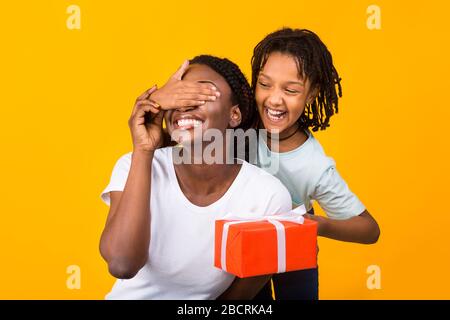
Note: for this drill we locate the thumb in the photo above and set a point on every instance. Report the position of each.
(158, 120)
(180, 72)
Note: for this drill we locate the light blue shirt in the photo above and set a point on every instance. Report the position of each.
(310, 175)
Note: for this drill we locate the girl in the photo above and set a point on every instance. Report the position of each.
(296, 88)
(159, 234)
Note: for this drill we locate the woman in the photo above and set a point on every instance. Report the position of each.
(159, 233)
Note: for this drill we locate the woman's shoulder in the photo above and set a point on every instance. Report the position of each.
(261, 179)
(158, 154)
(271, 194)
(161, 156)
(124, 160)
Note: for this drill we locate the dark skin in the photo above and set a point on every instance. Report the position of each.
(126, 237)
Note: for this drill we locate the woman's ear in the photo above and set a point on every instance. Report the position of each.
(235, 116)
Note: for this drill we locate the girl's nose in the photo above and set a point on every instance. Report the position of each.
(275, 99)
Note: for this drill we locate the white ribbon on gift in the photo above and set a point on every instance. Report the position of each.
(295, 216)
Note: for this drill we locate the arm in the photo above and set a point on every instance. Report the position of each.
(244, 288)
(360, 229)
(126, 236)
(338, 201)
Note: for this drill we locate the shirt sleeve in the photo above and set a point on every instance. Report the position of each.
(119, 177)
(335, 198)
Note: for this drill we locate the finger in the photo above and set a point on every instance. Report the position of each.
(151, 108)
(154, 110)
(185, 104)
(198, 90)
(194, 96)
(199, 85)
(147, 93)
(138, 104)
(158, 120)
(149, 117)
(181, 70)
(141, 110)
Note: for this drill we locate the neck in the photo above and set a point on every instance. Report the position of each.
(200, 178)
(289, 139)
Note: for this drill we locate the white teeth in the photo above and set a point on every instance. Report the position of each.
(189, 122)
(275, 115)
(274, 112)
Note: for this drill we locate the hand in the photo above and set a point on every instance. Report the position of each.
(177, 93)
(321, 221)
(146, 123)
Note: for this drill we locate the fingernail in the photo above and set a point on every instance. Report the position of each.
(214, 88)
(213, 97)
(218, 93)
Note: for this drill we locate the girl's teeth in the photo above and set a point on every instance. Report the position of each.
(274, 112)
(275, 115)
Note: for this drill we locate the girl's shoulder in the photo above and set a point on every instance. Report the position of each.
(310, 155)
(315, 150)
(315, 158)
(308, 161)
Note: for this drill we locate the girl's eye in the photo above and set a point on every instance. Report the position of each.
(262, 84)
(291, 91)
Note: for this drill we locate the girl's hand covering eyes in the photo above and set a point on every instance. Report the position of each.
(177, 93)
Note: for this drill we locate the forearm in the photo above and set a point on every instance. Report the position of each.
(360, 229)
(126, 238)
(244, 288)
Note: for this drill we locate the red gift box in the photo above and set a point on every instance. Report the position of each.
(274, 244)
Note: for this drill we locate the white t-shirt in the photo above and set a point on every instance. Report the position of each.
(310, 175)
(181, 252)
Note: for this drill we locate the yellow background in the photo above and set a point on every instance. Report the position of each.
(66, 96)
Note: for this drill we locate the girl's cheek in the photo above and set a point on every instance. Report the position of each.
(259, 100)
(297, 104)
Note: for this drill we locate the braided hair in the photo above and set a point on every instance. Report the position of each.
(314, 62)
(241, 93)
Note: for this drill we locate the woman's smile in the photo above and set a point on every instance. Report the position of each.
(186, 121)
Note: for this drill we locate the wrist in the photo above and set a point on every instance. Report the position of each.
(142, 153)
(322, 224)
